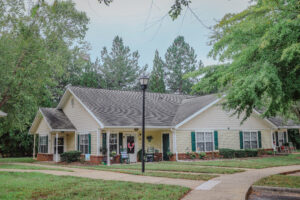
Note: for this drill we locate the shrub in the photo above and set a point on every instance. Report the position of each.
(261, 152)
(169, 154)
(240, 154)
(227, 153)
(193, 155)
(251, 152)
(70, 156)
(269, 152)
(202, 155)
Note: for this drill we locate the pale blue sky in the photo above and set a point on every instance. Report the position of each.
(145, 29)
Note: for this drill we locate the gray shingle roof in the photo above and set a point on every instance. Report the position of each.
(280, 122)
(124, 108)
(57, 119)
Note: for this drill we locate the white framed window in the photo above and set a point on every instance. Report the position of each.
(43, 144)
(250, 139)
(204, 141)
(113, 142)
(84, 143)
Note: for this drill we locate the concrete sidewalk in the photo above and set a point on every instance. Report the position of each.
(108, 175)
(235, 186)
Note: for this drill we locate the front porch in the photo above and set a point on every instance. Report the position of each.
(93, 145)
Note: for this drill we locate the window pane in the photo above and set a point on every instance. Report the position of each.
(208, 137)
(253, 136)
(246, 136)
(200, 137)
(254, 144)
(209, 146)
(200, 146)
(247, 144)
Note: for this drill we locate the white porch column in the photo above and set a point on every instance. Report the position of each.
(107, 147)
(56, 148)
(75, 140)
(98, 141)
(34, 136)
(175, 144)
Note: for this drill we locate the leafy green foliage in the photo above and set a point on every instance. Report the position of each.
(70, 156)
(120, 67)
(262, 47)
(156, 81)
(36, 48)
(176, 8)
(180, 59)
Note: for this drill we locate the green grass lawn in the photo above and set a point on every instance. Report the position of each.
(15, 185)
(25, 167)
(254, 163)
(22, 160)
(280, 181)
(165, 166)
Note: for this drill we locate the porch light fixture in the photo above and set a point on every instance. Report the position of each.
(144, 83)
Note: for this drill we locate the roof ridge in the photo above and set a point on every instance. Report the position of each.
(120, 90)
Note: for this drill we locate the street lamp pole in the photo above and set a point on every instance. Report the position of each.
(143, 134)
(144, 83)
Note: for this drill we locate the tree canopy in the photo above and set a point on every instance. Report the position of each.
(261, 46)
(157, 76)
(37, 44)
(120, 67)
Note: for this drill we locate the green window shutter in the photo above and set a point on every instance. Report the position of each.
(78, 142)
(121, 141)
(39, 144)
(90, 143)
(193, 138)
(216, 140)
(259, 139)
(241, 140)
(103, 140)
(47, 143)
(276, 134)
(284, 138)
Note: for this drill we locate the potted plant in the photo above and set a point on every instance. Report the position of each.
(112, 155)
(170, 155)
(202, 155)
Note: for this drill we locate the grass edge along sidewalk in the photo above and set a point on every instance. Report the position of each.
(33, 185)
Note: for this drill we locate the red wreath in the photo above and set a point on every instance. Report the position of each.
(130, 146)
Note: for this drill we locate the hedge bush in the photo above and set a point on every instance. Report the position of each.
(231, 153)
(70, 156)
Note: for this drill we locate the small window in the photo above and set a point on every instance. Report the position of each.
(43, 144)
(84, 143)
(205, 141)
(113, 142)
(250, 140)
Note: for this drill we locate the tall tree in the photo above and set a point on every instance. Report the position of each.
(157, 76)
(120, 68)
(180, 59)
(36, 43)
(262, 44)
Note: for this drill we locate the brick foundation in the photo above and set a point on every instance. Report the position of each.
(208, 156)
(96, 159)
(44, 157)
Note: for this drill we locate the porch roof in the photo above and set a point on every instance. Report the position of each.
(2, 114)
(56, 119)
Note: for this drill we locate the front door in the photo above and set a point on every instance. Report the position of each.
(60, 148)
(166, 146)
(131, 145)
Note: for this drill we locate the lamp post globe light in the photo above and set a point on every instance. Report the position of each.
(143, 82)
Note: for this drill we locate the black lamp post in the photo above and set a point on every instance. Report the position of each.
(144, 83)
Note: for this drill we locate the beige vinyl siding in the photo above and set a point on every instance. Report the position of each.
(70, 142)
(93, 142)
(80, 118)
(216, 118)
(229, 139)
(43, 127)
(183, 141)
(266, 139)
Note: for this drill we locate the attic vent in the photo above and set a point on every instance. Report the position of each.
(72, 102)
